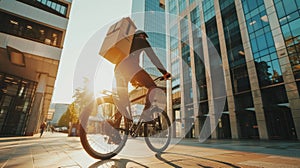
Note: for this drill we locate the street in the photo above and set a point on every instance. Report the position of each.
(58, 150)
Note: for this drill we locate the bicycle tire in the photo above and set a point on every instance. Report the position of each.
(159, 139)
(94, 142)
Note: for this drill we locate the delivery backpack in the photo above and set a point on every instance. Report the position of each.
(117, 43)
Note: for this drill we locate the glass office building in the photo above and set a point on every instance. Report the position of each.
(257, 42)
(31, 41)
(150, 17)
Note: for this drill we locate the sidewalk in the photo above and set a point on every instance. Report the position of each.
(273, 147)
(57, 150)
(52, 150)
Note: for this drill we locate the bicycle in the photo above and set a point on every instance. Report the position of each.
(96, 130)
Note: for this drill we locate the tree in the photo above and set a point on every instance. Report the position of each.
(83, 96)
(71, 115)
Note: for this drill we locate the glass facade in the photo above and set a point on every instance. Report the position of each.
(173, 7)
(182, 5)
(288, 13)
(262, 43)
(186, 72)
(52, 6)
(154, 25)
(274, 95)
(175, 69)
(198, 54)
(208, 9)
(268, 70)
(16, 95)
(237, 63)
(23, 28)
(30, 51)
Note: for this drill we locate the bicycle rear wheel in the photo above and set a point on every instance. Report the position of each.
(96, 133)
(158, 132)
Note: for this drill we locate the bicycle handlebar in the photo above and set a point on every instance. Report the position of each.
(161, 78)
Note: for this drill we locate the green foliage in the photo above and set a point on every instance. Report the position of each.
(83, 96)
(71, 115)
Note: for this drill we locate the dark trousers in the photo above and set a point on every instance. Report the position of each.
(144, 79)
(122, 80)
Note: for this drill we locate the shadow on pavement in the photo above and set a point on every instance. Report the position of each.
(273, 147)
(198, 161)
(116, 163)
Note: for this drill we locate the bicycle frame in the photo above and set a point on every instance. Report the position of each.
(110, 95)
(100, 143)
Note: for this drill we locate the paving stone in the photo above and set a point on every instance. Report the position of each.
(60, 151)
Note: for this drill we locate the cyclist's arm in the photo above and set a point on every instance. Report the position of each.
(153, 57)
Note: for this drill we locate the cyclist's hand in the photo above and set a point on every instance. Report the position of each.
(135, 83)
(167, 76)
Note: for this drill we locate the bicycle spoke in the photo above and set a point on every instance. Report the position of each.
(97, 135)
(158, 133)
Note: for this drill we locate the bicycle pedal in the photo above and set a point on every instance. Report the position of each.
(134, 135)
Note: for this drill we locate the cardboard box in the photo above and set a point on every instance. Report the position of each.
(117, 43)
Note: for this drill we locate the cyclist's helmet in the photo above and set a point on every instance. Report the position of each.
(140, 32)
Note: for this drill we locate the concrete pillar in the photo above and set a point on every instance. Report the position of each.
(211, 123)
(170, 110)
(255, 89)
(227, 75)
(285, 65)
(183, 111)
(35, 113)
(195, 88)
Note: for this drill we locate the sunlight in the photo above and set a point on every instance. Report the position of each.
(103, 77)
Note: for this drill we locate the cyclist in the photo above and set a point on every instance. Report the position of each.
(129, 70)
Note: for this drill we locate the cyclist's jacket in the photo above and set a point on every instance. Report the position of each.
(140, 44)
(130, 65)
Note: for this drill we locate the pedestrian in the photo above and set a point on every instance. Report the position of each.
(42, 128)
(52, 128)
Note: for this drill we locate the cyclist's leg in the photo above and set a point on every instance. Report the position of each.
(123, 106)
(122, 101)
(145, 80)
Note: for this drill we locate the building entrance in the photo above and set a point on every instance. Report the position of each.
(223, 128)
(248, 128)
(280, 123)
(16, 96)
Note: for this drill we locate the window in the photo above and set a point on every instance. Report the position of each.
(173, 7)
(182, 5)
(195, 17)
(52, 6)
(208, 9)
(288, 13)
(262, 43)
(30, 30)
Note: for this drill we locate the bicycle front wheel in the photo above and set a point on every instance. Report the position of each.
(158, 132)
(97, 135)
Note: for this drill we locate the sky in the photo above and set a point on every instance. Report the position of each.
(86, 18)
